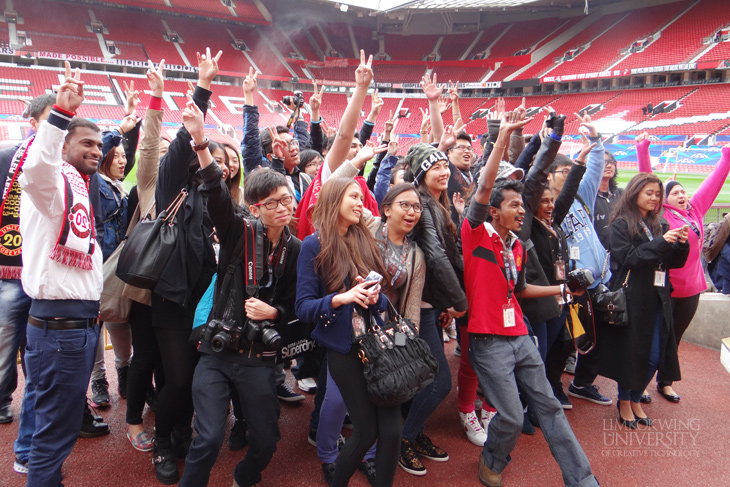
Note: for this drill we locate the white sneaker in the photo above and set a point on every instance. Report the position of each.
(451, 330)
(486, 418)
(472, 428)
(307, 385)
(446, 337)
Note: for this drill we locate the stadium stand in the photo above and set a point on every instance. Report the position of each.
(522, 35)
(454, 45)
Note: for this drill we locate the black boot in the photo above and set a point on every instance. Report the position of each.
(164, 461)
(92, 426)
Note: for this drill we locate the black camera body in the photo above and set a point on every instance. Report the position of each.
(262, 331)
(223, 334)
(580, 279)
(295, 101)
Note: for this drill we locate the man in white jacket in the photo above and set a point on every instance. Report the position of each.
(62, 273)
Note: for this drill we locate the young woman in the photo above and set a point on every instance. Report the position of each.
(331, 293)
(607, 197)
(643, 249)
(234, 173)
(443, 296)
(310, 161)
(680, 210)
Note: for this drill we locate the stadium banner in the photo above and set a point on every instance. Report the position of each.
(668, 154)
(94, 59)
(582, 76)
(662, 69)
(657, 138)
(486, 84)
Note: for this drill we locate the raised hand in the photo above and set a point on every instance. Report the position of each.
(132, 97)
(369, 150)
(430, 87)
(453, 90)
(585, 150)
(512, 121)
(459, 203)
(641, 137)
(207, 67)
(425, 119)
(128, 123)
(328, 131)
(585, 121)
(278, 146)
(70, 95)
(497, 110)
(364, 72)
(249, 82)
(156, 78)
(376, 104)
(556, 123)
(315, 101)
(193, 120)
(393, 146)
(522, 109)
(448, 139)
(390, 125)
(444, 104)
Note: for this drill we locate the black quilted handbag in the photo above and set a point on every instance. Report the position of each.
(397, 364)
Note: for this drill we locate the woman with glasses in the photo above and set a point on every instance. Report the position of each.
(309, 162)
(332, 293)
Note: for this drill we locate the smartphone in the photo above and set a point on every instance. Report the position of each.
(373, 277)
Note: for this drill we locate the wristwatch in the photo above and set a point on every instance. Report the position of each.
(202, 146)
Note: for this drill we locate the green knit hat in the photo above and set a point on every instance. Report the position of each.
(421, 157)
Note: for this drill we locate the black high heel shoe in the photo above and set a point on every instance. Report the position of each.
(631, 424)
(642, 421)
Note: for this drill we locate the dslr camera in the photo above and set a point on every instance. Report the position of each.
(263, 331)
(579, 279)
(222, 334)
(295, 101)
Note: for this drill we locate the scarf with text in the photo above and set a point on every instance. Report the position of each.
(11, 242)
(75, 244)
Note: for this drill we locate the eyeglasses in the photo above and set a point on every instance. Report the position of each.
(292, 143)
(406, 206)
(463, 148)
(272, 204)
(313, 164)
(564, 172)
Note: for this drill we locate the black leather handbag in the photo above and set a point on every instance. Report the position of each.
(397, 364)
(149, 246)
(610, 306)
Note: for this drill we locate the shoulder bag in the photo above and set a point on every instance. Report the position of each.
(610, 306)
(149, 247)
(397, 364)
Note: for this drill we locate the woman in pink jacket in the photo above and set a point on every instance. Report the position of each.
(679, 210)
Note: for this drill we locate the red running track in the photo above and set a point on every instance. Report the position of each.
(690, 448)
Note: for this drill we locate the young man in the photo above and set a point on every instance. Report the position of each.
(461, 157)
(65, 284)
(500, 350)
(13, 301)
(265, 298)
(586, 250)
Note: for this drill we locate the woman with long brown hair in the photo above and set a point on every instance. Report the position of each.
(332, 294)
(643, 249)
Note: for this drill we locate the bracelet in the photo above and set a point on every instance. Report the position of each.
(202, 146)
(119, 129)
(500, 146)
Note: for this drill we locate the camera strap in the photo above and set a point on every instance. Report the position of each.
(255, 258)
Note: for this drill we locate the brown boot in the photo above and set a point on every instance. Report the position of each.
(487, 476)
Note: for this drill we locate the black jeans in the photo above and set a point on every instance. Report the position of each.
(369, 423)
(179, 357)
(684, 311)
(212, 383)
(145, 360)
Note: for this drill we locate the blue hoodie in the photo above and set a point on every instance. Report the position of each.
(578, 223)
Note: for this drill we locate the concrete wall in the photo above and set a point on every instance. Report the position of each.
(711, 322)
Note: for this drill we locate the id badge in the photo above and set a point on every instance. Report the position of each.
(660, 278)
(575, 252)
(508, 315)
(559, 270)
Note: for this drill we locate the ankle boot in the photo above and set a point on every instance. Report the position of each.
(164, 461)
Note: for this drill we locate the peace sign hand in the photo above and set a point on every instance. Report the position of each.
(132, 97)
(249, 82)
(70, 95)
(278, 146)
(315, 101)
(156, 78)
(207, 67)
(364, 72)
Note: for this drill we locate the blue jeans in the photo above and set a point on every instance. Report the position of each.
(332, 416)
(547, 333)
(14, 304)
(212, 382)
(26, 426)
(426, 401)
(501, 363)
(625, 394)
(59, 366)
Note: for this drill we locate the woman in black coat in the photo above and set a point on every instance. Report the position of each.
(643, 250)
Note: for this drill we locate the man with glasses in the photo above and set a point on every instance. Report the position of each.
(461, 158)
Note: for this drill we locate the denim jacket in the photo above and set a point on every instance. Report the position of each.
(114, 214)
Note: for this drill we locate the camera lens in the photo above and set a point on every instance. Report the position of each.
(270, 338)
(220, 341)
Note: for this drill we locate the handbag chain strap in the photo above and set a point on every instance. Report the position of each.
(626, 281)
(605, 265)
(172, 210)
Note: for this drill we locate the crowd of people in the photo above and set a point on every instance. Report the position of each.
(493, 250)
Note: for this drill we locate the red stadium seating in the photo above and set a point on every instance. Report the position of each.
(522, 35)
(454, 45)
(409, 48)
(683, 39)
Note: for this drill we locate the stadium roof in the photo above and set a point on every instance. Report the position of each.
(430, 5)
